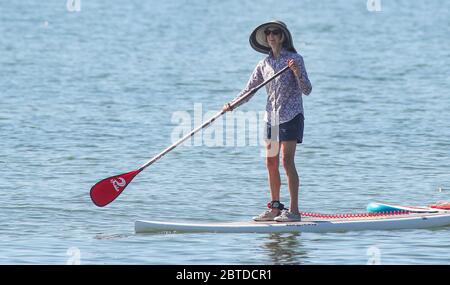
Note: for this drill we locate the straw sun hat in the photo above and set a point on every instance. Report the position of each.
(258, 39)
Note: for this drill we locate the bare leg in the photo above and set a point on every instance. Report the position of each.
(288, 156)
(272, 163)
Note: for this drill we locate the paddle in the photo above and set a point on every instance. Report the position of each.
(108, 189)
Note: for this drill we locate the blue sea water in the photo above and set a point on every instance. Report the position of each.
(92, 93)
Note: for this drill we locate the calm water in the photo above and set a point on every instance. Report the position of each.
(89, 94)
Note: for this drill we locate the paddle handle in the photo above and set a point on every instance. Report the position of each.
(180, 141)
(211, 120)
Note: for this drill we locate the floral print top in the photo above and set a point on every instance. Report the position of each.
(284, 100)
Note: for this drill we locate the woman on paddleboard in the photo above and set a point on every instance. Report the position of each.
(284, 112)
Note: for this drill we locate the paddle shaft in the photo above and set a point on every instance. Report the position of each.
(212, 119)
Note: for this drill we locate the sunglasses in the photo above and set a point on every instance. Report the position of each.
(273, 32)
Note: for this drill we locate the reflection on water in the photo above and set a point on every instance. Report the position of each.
(285, 248)
(112, 236)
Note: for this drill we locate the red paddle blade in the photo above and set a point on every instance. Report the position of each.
(107, 190)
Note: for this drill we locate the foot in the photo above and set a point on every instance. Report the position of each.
(268, 215)
(287, 216)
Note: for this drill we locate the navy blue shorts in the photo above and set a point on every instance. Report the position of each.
(289, 131)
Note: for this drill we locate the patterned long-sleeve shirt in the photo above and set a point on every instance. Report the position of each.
(284, 92)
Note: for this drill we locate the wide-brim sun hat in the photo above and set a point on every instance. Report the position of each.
(258, 39)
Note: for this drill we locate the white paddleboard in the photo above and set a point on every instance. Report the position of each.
(311, 222)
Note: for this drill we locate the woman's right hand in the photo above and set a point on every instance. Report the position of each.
(227, 107)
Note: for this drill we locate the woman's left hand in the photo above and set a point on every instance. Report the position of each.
(294, 67)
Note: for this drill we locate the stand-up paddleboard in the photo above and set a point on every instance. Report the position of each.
(312, 222)
(381, 207)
